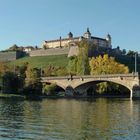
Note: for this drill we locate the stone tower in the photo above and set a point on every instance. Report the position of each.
(87, 34)
(70, 35)
(108, 39)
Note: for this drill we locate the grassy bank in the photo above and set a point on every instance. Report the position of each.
(41, 61)
(62, 61)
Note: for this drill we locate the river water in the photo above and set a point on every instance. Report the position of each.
(70, 119)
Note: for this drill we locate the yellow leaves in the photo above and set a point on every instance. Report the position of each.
(106, 65)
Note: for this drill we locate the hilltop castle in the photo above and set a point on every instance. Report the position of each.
(62, 46)
(70, 41)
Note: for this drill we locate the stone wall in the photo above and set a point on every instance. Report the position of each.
(56, 43)
(54, 51)
(7, 56)
(11, 55)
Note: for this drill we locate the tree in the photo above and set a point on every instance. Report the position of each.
(82, 58)
(50, 89)
(106, 65)
(32, 82)
(3, 68)
(13, 48)
(12, 83)
(72, 65)
(131, 53)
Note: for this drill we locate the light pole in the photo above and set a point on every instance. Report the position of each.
(135, 63)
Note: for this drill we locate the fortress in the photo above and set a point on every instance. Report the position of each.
(62, 46)
(70, 41)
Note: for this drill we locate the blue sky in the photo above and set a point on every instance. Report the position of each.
(29, 22)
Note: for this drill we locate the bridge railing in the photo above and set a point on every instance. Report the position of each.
(91, 76)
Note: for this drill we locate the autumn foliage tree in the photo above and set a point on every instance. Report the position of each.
(106, 65)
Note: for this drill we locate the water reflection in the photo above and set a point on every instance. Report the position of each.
(11, 118)
(70, 119)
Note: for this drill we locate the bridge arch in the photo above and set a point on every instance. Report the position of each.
(57, 84)
(122, 83)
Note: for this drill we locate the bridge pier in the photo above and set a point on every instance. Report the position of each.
(69, 91)
(135, 92)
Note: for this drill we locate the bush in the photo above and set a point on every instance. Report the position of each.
(50, 89)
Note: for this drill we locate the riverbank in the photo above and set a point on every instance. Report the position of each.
(13, 96)
(41, 97)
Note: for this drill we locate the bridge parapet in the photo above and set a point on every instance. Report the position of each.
(132, 75)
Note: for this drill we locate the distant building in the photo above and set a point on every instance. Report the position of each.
(70, 41)
(28, 49)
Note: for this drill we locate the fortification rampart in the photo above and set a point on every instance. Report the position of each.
(11, 55)
(54, 51)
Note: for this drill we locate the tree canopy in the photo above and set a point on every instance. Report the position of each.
(106, 65)
(80, 64)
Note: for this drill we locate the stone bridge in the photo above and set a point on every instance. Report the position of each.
(82, 83)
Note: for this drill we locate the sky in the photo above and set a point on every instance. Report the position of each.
(30, 22)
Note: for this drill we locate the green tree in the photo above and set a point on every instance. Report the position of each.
(12, 83)
(60, 71)
(55, 71)
(82, 58)
(13, 48)
(50, 89)
(72, 65)
(32, 82)
(3, 70)
(131, 53)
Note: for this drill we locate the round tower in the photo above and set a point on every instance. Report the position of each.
(108, 39)
(87, 34)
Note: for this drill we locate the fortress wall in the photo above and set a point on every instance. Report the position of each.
(7, 56)
(11, 55)
(56, 43)
(53, 51)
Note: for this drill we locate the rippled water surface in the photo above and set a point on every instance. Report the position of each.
(63, 119)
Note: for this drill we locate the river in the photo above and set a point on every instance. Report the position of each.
(70, 119)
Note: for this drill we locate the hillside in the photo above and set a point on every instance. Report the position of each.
(62, 61)
(42, 61)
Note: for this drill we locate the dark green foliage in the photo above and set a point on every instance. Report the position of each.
(55, 71)
(15, 48)
(32, 81)
(12, 83)
(131, 53)
(50, 89)
(80, 64)
(82, 58)
(111, 88)
(72, 65)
